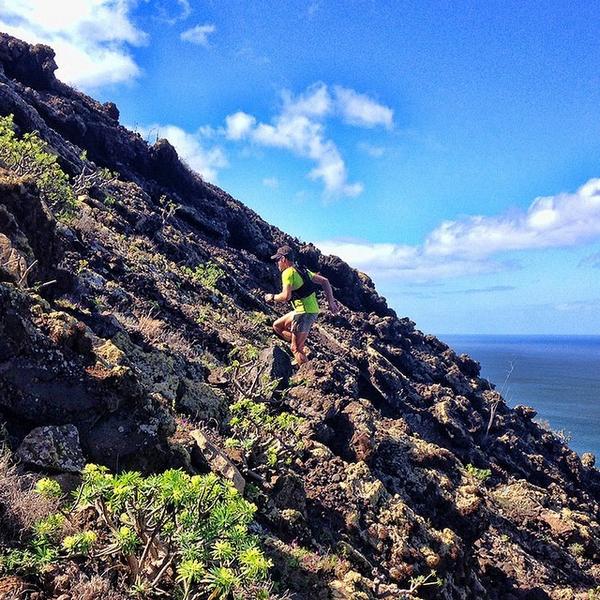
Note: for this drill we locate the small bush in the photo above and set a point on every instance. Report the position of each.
(481, 474)
(92, 177)
(209, 274)
(188, 534)
(577, 550)
(30, 155)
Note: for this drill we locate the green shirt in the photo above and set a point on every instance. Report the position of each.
(303, 305)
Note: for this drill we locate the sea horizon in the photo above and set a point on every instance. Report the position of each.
(556, 374)
(523, 335)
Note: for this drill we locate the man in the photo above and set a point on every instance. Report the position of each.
(298, 286)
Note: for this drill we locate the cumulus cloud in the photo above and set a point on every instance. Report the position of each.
(300, 128)
(92, 38)
(198, 34)
(190, 148)
(406, 263)
(467, 246)
(314, 102)
(239, 125)
(550, 221)
(359, 109)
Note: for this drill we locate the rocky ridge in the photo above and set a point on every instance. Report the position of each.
(117, 342)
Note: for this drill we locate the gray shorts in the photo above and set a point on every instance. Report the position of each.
(302, 322)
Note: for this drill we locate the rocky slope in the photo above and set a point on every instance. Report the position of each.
(119, 328)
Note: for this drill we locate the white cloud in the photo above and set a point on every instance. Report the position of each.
(198, 34)
(165, 11)
(553, 221)
(314, 102)
(271, 182)
(238, 125)
(306, 137)
(189, 146)
(465, 247)
(404, 262)
(92, 38)
(359, 109)
(300, 128)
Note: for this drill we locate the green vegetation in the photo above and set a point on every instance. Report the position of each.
(92, 177)
(269, 437)
(577, 549)
(481, 474)
(167, 208)
(48, 488)
(422, 581)
(259, 319)
(208, 275)
(175, 534)
(268, 440)
(30, 156)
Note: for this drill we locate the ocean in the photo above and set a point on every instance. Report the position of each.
(559, 376)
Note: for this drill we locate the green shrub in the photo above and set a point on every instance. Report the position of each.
(481, 474)
(577, 549)
(209, 274)
(30, 155)
(267, 440)
(48, 488)
(172, 531)
(422, 581)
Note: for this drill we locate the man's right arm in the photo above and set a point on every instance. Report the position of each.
(324, 283)
(286, 291)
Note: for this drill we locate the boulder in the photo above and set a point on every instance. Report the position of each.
(276, 363)
(200, 400)
(526, 412)
(288, 492)
(53, 448)
(588, 460)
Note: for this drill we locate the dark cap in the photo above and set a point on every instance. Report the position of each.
(283, 251)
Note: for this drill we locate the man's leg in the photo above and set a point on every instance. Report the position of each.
(283, 326)
(298, 339)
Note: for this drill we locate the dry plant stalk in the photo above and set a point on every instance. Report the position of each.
(20, 506)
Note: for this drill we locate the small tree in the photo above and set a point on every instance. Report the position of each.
(31, 156)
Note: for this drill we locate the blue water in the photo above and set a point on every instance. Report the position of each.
(559, 376)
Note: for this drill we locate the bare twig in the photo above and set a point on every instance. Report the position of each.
(39, 286)
(496, 403)
(26, 272)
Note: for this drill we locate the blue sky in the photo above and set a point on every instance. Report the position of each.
(448, 149)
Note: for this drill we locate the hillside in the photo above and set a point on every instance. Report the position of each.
(133, 335)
